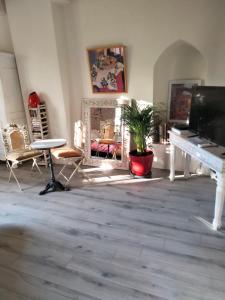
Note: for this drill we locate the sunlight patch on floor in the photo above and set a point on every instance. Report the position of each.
(120, 179)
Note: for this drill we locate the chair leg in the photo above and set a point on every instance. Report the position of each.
(114, 155)
(12, 173)
(77, 167)
(83, 173)
(61, 171)
(35, 164)
(63, 167)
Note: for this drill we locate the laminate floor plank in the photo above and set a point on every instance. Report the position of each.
(147, 279)
(110, 238)
(140, 227)
(27, 285)
(9, 295)
(142, 218)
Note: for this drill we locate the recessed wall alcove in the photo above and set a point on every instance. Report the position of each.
(179, 61)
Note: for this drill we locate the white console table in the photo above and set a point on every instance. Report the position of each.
(212, 157)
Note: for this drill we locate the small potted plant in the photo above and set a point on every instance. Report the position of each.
(141, 125)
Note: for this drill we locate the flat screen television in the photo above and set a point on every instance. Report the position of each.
(207, 114)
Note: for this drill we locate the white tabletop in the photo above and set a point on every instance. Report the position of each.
(48, 144)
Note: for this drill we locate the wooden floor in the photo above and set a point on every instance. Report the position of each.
(111, 238)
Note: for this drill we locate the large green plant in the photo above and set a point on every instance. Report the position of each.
(140, 123)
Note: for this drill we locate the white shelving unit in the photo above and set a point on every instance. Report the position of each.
(39, 126)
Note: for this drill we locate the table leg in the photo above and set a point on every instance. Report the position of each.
(53, 185)
(107, 155)
(219, 201)
(97, 150)
(172, 162)
(187, 165)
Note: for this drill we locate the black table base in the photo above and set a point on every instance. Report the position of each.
(53, 185)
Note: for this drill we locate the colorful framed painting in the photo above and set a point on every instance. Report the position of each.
(179, 105)
(107, 69)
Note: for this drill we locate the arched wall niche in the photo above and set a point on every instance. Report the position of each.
(179, 61)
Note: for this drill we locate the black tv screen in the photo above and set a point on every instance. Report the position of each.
(207, 115)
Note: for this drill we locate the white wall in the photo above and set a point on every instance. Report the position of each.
(5, 37)
(11, 106)
(11, 102)
(33, 34)
(62, 54)
(179, 61)
(50, 43)
(147, 28)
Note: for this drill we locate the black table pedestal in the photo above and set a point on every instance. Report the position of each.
(53, 185)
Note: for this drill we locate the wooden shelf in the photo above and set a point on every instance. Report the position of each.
(39, 127)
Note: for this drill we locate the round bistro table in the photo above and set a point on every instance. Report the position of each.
(48, 144)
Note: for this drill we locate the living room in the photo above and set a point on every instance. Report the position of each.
(110, 236)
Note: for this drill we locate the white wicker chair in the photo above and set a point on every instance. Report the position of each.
(16, 147)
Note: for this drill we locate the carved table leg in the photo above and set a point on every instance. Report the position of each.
(219, 202)
(172, 162)
(187, 165)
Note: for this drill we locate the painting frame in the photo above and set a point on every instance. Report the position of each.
(107, 67)
(180, 93)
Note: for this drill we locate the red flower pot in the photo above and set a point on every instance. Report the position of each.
(33, 100)
(141, 165)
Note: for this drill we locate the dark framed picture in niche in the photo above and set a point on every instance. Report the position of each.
(179, 100)
(107, 69)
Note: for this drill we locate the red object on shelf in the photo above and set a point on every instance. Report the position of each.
(141, 165)
(33, 100)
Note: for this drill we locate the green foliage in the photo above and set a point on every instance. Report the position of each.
(140, 123)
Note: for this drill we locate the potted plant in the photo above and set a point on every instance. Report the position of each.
(140, 123)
